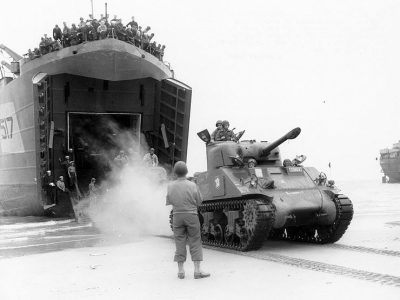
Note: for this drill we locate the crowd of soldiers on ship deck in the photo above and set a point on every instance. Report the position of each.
(92, 30)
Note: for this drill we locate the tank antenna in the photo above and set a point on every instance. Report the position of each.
(91, 2)
(106, 12)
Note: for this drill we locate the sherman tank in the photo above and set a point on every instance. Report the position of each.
(251, 195)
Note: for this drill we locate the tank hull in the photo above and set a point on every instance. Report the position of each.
(242, 207)
(42, 112)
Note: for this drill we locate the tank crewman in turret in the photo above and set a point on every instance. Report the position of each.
(57, 33)
(151, 158)
(185, 198)
(102, 30)
(219, 128)
(66, 36)
(226, 134)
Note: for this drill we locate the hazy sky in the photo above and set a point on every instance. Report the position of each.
(329, 67)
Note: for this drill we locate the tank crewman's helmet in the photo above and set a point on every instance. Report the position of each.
(219, 122)
(252, 163)
(225, 122)
(180, 169)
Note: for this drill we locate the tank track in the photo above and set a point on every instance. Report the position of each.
(322, 234)
(251, 228)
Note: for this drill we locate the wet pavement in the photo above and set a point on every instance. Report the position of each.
(20, 236)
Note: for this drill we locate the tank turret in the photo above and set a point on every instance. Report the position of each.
(231, 153)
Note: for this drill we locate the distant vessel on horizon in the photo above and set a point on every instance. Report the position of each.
(390, 163)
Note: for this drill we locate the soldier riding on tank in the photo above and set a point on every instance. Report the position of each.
(219, 128)
(225, 134)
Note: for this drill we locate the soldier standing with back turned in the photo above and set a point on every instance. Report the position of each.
(185, 198)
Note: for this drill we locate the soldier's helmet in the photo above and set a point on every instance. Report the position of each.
(225, 122)
(252, 163)
(219, 122)
(180, 169)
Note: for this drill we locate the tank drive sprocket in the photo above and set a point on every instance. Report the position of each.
(241, 224)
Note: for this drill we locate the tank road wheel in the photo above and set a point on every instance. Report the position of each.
(229, 235)
(240, 224)
(204, 232)
(218, 234)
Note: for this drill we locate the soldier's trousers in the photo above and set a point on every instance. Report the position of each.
(187, 229)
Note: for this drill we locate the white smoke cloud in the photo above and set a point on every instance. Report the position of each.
(131, 201)
(135, 204)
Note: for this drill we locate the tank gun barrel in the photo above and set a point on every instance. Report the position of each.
(292, 134)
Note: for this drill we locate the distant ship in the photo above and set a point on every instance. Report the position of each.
(52, 103)
(390, 163)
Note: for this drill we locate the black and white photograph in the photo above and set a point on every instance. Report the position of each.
(200, 149)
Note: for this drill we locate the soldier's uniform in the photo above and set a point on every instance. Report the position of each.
(66, 36)
(162, 52)
(185, 198)
(218, 124)
(225, 134)
(57, 34)
(151, 158)
(48, 187)
(102, 30)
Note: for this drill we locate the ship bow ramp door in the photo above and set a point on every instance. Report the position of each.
(174, 116)
(97, 138)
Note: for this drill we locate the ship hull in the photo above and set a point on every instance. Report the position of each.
(44, 111)
(391, 169)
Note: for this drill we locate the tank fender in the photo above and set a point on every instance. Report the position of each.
(328, 209)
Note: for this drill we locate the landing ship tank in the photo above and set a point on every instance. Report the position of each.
(250, 195)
